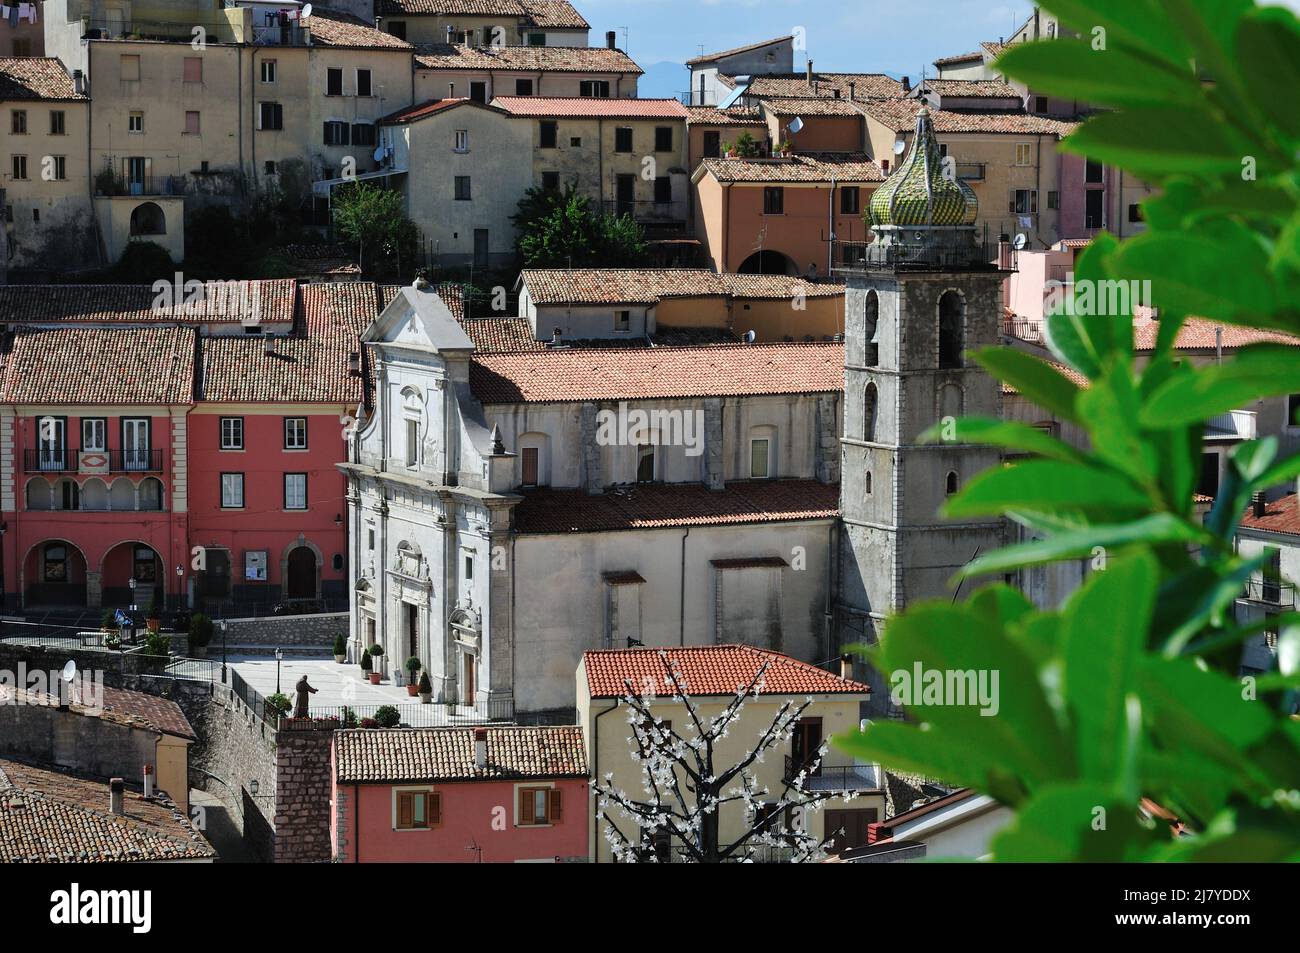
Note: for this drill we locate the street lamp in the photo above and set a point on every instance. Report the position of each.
(278, 656)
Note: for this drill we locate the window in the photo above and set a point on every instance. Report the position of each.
(663, 138)
(623, 139)
(523, 87)
(536, 39)
(539, 806)
(59, 167)
(295, 433)
(870, 409)
(232, 491)
(268, 71)
(529, 458)
(94, 434)
(950, 483)
(193, 69)
(850, 200)
(130, 67)
(364, 83)
(551, 181)
(549, 131)
(270, 116)
(19, 167)
(866, 484)
(232, 433)
(191, 122)
(397, 28)
(334, 81)
(645, 463)
(622, 320)
(363, 134)
(370, 539)
(663, 190)
(18, 122)
(295, 491)
(594, 87)
(1040, 104)
(712, 145)
(1135, 212)
(469, 568)
(1053, 200)
(1271, 578)
(1209, 483)
(1024, 202)
(57, 126)
(461, 141)
(1094, 210)
(55, 563)
(1092, 172)
(336, 133)
(22, 46)
(135, 122)
(759, 468)
(418, 810)
(1292, 411)
(1024, 153)
(575, 142)
(412, 443)
(951, 332)
(884, 166)
(462, 188)
(773, 200)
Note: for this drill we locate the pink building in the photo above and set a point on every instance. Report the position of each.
(505, 794)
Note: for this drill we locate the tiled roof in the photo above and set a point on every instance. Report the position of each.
(617, 285)
(900, 116)
(310, 366)
(1280, 516)
(778, 286)
(973, 88)
(564, 375)
(812, 107)
(660, 506)
(555, 59)
(961, 58)
(386, 756)
(1063, 369)
(134, 304)
(709, 670)
(122, 707)
(1198, 334)
(993, 49)
(516, 334)
(796, 86)
(428, 108)
(847, 167)
(80, 365)
(333, 28)
(548, 14)
(35, 77)
(593, 107)
(710, 57)
(712, 116)
(49, 816)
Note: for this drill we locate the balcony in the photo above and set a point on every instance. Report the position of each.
(116, 185)
(1024, 329)
(970, 171)
(74, 460)
(836, 777)
(1270, 592)
(855, 256)
(1234, 425)
(651, 213)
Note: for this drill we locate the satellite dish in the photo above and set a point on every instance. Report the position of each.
(306, 10)
(69, 671)
(899, 146)
(749, 337)
(379, 154)
(1020, 241)
(795, 124)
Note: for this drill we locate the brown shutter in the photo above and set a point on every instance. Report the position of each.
(405, 812)
(553, 805)
(434, 809)
(525, 807)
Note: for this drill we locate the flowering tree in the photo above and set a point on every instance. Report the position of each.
(684, 792)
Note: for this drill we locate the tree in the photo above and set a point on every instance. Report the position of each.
(560, 228)
(1131, 689)
(374, 219)
(685, 792)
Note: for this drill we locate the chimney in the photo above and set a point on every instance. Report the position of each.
(907, 84)
(116, 795)
(451, 32)
(79, 82)
(853, 91)
(611, 39)
(846, 667)
(1258, 505)
(810, 71)
(557, 337)
(451, 90)
(480, 747)
(148, 780)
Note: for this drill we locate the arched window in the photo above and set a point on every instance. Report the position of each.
(952, 314)
(151, 494)
(870, 411)
(148, 219)
(950, 398)
(866, 484)
(950, 483)
(871, 330)
(38, 494)
(94, 495)
(121, 495)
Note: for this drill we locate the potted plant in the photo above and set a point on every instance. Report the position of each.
(376, 651)
(112, 641)
(108, 621)
(412, 666)
(278, 704)
(366, 666)
(154, 619)
(340, 649)
(349, 717)
(387, 716)
(425, 689)
(783, 149)
(201, 628)
(369, 723)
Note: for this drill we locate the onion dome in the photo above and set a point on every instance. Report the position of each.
(918, 193)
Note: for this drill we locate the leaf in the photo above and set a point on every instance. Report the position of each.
(1256, 372)
(1047, 485)
(1155, 141)
(1141, 24)
(1112, 406)
(1072, 822)
(1034, 378)
(1011, 434)
(1072, 69)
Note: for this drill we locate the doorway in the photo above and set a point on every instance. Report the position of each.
(412, 630)
(480, 248)
(301, 582)
(469, 666)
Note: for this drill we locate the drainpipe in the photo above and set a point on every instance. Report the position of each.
(681, 636)
(252, 133)
(356, 826)
(830, 222)
(726, 228)
(595, 773)
(831, 554)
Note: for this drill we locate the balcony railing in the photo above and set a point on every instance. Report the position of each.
(836, 777)
(1234, 425)
(923, 256)
(1025, 329)
(1270, 592)
(72, 460)
(143, 185)
(644, 211)
(970, 171)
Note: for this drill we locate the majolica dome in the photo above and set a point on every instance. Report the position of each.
(918, 193)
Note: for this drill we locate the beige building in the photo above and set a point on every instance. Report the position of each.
(712, 675)
(484, 22)
(446, 71)
(463, 177)
(627, 154)
(47, 214)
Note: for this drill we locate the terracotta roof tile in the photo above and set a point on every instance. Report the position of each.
(427, 108)
(34, 77)
(812, 107)
(52, 816)
(778, 286)
(590, 107)
(552, 14)
(796, 86)
(564, 375)
(900, 116)
(554, 59)
(712, 116)
(1199, 334)
(710, 57)
(617, 285)
(1063, 369)
(122, 707)
(972, 88)
(83, 365)
(807, 167)
(1280, 516)
(960, 58)
(993, 49)
(220, 302)
(709, 670)
(385, 756)
(659, 506)
(333, 28)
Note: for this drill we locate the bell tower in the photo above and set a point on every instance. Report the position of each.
(919, 297)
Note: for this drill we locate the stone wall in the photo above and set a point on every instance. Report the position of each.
(302, 803)
(318, 629)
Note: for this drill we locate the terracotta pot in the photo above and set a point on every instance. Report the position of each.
(339, 659)
(374, 678)
(153, 624)
(412, 690)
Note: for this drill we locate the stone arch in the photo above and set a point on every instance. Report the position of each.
(292, 552)
(37, 588)
(148, 218)
(871, 328)
(121, 495)
(150, 494)
(870, 411)
(768, 262)
(952, 328)
(94, 494)
(951, 483)
(39, 494)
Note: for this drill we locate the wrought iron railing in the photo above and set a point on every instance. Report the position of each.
(417, 715)
(922, 256)
(1271, 592)
(68, 460)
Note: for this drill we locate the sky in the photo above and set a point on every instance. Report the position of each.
(869, 36)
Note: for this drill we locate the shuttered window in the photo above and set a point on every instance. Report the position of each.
(418, 810)
(539, 806)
